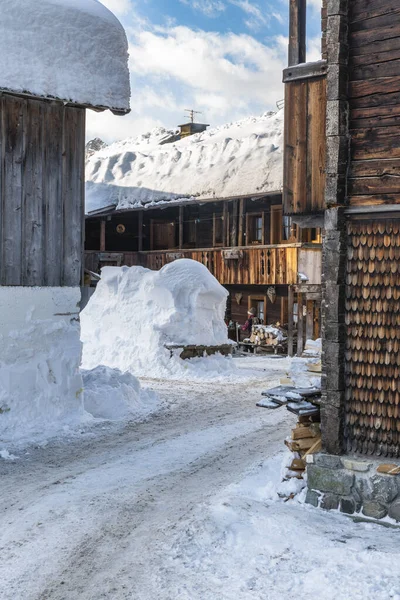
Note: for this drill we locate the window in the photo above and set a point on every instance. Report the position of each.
(255, 228)
(311, 235)
(259, 303)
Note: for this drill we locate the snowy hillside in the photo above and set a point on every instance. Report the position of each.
(236, 159)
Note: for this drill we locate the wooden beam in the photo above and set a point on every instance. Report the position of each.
(309, 319)
(102, 235)
(226, 225)
(297, 32)
(234, 228)
(140, 232)
(300, 325)
(241, 221)
(290, 320)
(181, 227)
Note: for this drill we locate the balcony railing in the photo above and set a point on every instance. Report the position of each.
(261, 265)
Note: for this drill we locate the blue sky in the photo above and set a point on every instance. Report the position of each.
(221, 57)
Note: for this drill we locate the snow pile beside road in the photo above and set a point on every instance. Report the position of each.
(136, 313)
(40, 383)
(110, 394)
(75, 50)
(236, 159)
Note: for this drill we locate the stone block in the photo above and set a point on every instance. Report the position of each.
(312, 498)
(335, 332)
(348, 505)
(356, 465)
(337, 153)
(379, 488)
(337, 118)
(334, 399)
(328, 461)
(336, 189)
(337, 81)
(374, 510)
(330, 502)
(337, 7)
(335, 220)
(335, 481)
(394, 510)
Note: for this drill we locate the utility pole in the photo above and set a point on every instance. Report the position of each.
(192, 113)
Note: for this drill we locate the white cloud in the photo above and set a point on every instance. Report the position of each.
(211, 8)
(235, 66)
(118, 7)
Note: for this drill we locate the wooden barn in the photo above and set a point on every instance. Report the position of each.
(343, 112)
(264, 260)
(42, 161)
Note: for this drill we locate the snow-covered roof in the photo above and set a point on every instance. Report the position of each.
(73, 50)
(238, 159)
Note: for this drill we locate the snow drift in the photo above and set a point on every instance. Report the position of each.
(74, 50)
(135, 313)
(237, 159)
(110, 394)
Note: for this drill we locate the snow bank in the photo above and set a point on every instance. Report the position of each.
(40, 383)
(75, 50)
(135, 313)
(110, 394)
(237, 159)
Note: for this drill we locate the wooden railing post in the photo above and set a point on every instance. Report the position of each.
(140, 231)
(180, 227)
(102, 235)
(297, 32)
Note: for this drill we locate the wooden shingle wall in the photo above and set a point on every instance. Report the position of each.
(41, 192)
(374, 101)
(372, 419)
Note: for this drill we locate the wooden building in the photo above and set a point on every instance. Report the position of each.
(343, 112)
(245, 242)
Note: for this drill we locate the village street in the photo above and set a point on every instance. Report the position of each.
(164, 510)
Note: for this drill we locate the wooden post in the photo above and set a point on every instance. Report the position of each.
(234, 229)
(290, 320)
(300, 325)
(140, 231)
(241, 219)
(226, 225)
(297, 32)
(102, 235)
(310, 320)
(181, 227)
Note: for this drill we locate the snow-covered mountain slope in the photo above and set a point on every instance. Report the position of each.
(236, 159)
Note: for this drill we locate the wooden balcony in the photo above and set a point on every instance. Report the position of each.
(261, 265)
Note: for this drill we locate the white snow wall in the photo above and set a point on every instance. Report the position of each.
(40, 351)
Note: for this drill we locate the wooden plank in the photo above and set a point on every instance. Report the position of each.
(386, 184)
(226, 225)
(290, 320)
(295, 183)
(297, 32)
(53, 197)
(14, 155)
(316, 145)
(375, 168)
(73, 194)
(375, 200)
(367, 9)
(378, 116)
(360, 48)
(234, 226)
(103, 235)
(241, 221)
(309, 319)
(364, 37)
(375, 70)
(300, 325)
(33, 225)
(307, 70)
(375, 143)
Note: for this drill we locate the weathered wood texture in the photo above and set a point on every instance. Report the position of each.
(305, 146)
(372, 397)
(374, 99)
(268, 265)
(41, 192)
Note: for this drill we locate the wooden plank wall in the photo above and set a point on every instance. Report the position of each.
(305, 146)
(373, 342)
(374, 97)
(42, 148)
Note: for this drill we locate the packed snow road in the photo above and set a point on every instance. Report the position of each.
(91, 518)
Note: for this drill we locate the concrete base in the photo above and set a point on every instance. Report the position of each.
(352, 485)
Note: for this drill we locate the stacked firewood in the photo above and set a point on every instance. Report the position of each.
(305, 439)
(267, 335)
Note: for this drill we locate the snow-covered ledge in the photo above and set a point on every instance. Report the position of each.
(40, 350)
